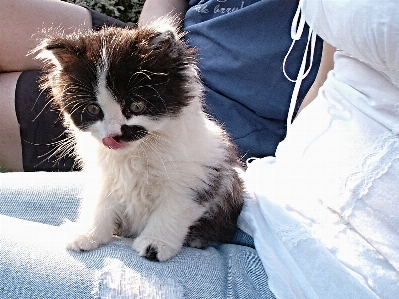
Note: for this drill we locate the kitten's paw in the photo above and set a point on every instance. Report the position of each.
(154, 249)
(78, 240)
(82, 243)
(196, 243)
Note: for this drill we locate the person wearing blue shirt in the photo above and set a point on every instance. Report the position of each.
(241, 49)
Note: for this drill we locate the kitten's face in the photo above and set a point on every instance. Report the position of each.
(120, 84)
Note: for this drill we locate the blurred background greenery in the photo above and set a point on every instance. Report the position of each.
(2, 169)
(127, 11)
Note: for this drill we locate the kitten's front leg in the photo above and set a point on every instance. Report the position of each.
(167, 227)
(94, 227)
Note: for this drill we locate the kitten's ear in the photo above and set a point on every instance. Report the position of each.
(55, 52)
(167, 33)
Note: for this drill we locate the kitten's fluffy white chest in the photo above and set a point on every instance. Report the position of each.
(162, 169)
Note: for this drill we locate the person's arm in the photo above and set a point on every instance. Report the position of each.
(153, 9)
(326, 65)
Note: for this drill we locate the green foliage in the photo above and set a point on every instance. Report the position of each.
(127, 11)
(2, 169)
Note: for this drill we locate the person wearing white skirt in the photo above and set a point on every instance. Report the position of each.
(325, 212)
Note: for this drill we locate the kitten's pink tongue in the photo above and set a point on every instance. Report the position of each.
(111, 143)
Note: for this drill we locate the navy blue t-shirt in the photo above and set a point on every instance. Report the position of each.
(241, 47)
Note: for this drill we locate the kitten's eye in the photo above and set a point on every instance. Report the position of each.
(93, 109)
(137, 107)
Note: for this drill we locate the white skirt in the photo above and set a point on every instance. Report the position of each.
(324, 212)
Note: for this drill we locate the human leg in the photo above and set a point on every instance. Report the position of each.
(10, 141)
(44, 139)
(31, 132)
(35, 264)
(22, 24)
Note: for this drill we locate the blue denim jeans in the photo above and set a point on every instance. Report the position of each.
(35, 264)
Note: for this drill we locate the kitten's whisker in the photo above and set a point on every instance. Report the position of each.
(136, 86)
(61, 152)
(151, 146)
(62, 149)
(159, 149)
(137, 76)
(146, 74)
(159, 96)
(160, 137)
(140, 96)
(148, 85)
(147, 164)
(76, 106)
(154, 73)
(45, 106)
(79, 88)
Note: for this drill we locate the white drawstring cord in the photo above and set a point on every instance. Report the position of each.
(296, 33)
(297, 27)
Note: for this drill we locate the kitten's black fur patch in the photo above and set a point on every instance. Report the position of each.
(152, 253)
(131, 133)
(219, 223)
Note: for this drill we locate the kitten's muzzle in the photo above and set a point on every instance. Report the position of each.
(129, 134)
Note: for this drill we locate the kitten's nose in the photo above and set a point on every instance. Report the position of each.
(132, 133)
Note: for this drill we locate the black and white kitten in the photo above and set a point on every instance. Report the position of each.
(161, 170)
